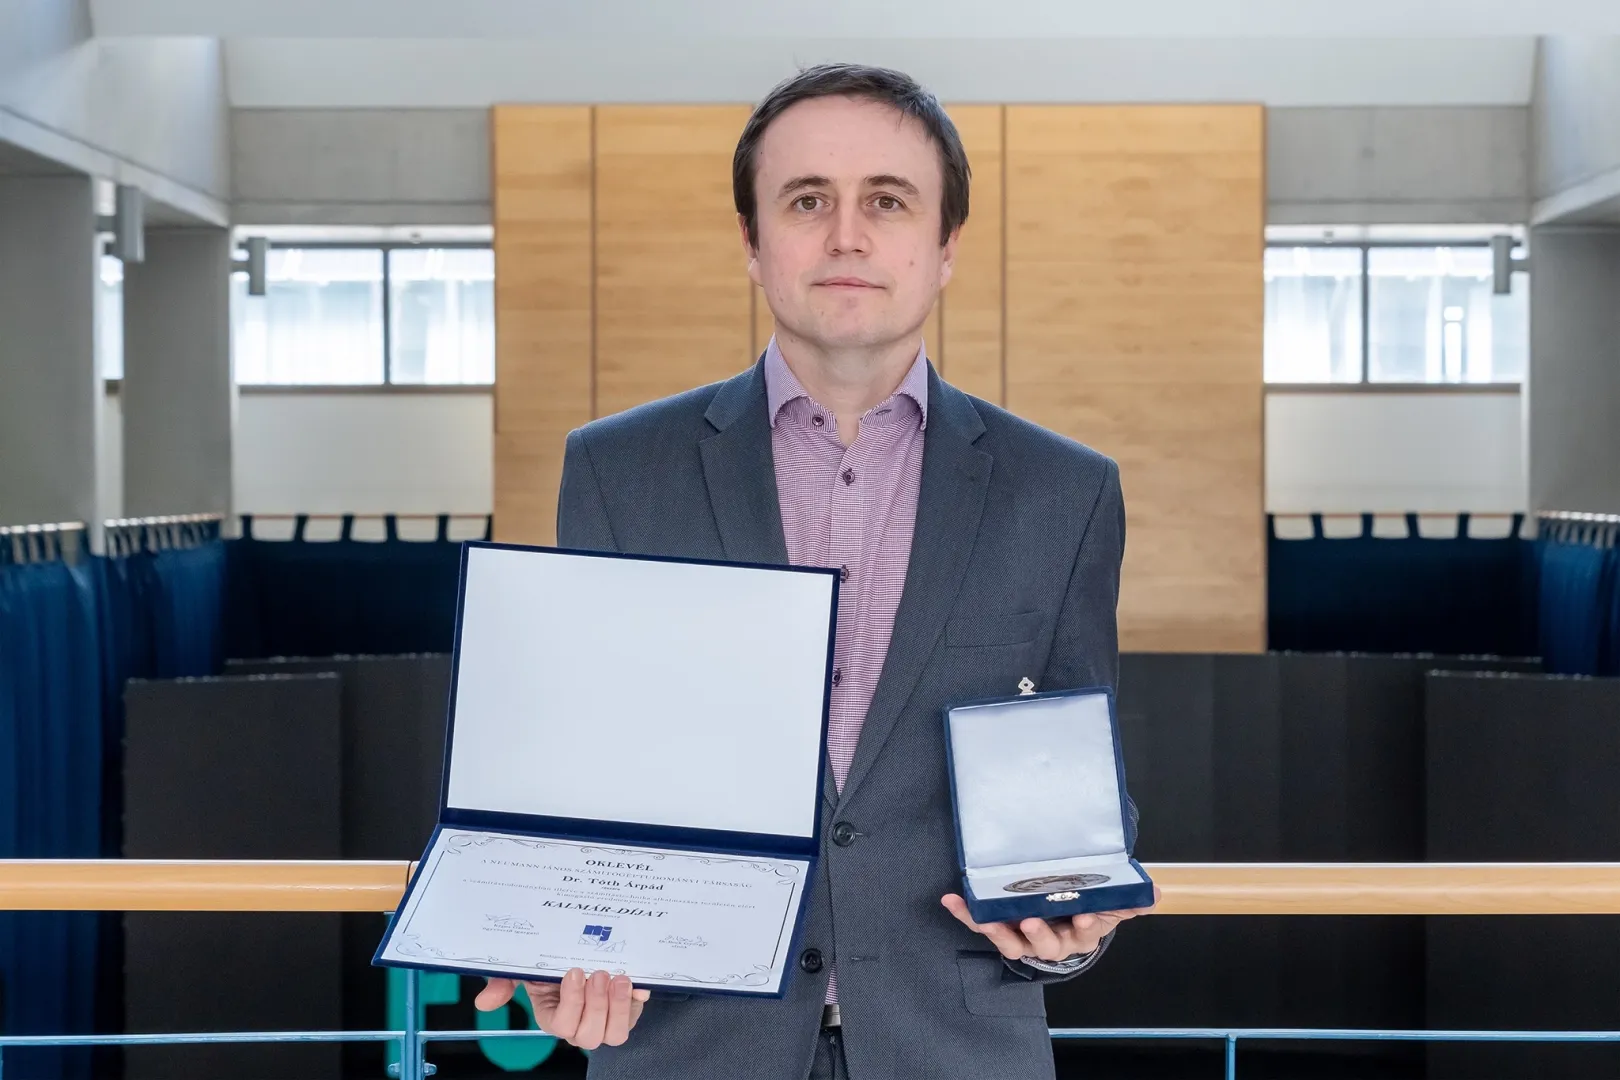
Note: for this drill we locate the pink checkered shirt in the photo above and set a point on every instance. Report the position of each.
(850, 507)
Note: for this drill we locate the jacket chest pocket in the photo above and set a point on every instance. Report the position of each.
(984, 631)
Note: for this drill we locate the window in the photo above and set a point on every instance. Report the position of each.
(1392, 313)
(442, 307)
(1313, 314)
(1433, 318)
(367, 315)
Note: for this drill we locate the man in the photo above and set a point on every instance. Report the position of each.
(977, 550)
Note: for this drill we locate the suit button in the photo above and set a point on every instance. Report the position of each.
(843, 834)
(810, 960)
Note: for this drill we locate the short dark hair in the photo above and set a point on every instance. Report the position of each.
(882, 85)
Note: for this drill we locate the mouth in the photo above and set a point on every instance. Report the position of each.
(846, 283)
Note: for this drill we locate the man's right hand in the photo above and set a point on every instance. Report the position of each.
(587, 1013)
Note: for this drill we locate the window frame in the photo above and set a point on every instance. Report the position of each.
(1365, 247)
(385, 247)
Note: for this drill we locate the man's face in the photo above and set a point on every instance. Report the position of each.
(849, 195)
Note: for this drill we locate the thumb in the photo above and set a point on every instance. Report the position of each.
(496, 992)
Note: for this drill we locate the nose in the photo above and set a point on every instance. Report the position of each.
(848, 234)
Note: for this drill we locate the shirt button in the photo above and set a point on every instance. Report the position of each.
(838, 675)
(818, 420)
(810, 960)
(843, 573)
(849, 476)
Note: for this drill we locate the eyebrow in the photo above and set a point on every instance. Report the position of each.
(799, 183)
(888, 180)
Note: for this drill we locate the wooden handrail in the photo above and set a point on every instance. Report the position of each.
(1189, 888)
(165, 885)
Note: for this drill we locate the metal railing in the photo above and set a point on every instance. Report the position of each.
(1189, 889)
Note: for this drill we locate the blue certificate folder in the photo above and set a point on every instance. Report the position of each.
(1042, 825)
(634, 766)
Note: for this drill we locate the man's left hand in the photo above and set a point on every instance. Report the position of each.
(1046, 939)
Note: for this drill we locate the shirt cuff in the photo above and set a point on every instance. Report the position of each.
(1072, 965)
(1060, 967)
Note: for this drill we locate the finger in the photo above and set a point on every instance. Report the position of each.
(542, 995)
(1007, 940)
(638, 1002)
(958, 907)
(496, 992)
(1043, 940)
(562, 1018)
(1085, 932)
(618, 1018)
(593, 1020)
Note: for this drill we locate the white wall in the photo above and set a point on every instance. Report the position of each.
(1358, 452)
(1334, 452)
(365, 452)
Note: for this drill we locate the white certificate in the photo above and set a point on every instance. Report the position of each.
(526, 906)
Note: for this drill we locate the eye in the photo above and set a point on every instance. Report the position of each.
(888, 202)
(807, 203)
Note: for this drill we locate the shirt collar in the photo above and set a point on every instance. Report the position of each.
(782, 386)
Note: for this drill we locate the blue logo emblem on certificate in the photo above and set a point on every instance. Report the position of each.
(596, 935)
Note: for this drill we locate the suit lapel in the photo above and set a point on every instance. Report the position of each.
(740, 472)
(955, 478)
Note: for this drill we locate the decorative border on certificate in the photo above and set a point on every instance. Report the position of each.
(409, 943)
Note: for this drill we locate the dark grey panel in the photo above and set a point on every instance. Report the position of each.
(1523, 767)
(232, 768)
(393, 722)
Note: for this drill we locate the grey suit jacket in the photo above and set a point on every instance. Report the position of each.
(1014, 572)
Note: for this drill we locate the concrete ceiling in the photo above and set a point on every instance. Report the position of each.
(667, 20)
(15, 161)
(473, 53)
(314, 73)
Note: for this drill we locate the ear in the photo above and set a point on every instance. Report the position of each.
(947, 264)
(750, 252)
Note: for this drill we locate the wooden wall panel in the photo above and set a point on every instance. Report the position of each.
(970, 346)
(673, 309)
(1134, 323)
(541, 176)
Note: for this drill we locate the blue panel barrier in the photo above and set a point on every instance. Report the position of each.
(50, 780)
(1580, 597)
(73, 629)
(301, 597)
(1465, 595)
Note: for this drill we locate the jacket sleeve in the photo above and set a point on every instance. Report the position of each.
(1085, 647)
(1085, 652)
(582, 517)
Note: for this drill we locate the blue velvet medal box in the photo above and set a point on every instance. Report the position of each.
(1042, 821)
(634, 763)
